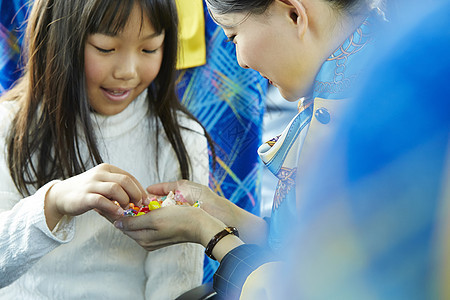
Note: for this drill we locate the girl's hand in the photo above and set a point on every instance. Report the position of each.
(170, 225)
(97, 189)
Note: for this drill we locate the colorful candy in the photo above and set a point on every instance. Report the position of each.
(157, 202)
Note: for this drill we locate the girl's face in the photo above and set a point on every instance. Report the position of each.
(119, 67)
(269, 43)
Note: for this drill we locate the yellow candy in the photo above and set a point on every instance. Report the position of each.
(153, 205)
(140, 214)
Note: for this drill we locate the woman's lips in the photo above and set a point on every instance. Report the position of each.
(116, 94)
(270, 81)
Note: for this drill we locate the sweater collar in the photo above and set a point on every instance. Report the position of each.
(129, 118)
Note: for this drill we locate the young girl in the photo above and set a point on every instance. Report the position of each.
(96, 104)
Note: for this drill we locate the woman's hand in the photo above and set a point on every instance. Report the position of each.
(170, 225)
(213, 204)
(252, 229)
(97, 189)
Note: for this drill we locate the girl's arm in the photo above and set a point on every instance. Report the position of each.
(32, 227)
(24, 234)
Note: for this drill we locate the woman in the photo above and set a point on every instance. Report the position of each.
(315, 50)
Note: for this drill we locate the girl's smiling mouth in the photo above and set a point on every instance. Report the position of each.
(116, 94)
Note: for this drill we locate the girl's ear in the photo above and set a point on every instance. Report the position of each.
(297, 14)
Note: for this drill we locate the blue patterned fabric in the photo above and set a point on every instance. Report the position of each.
(236, 266)
(12, 15)
(228, 100)
(335, 81)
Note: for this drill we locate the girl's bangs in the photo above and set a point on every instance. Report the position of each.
(110, 17)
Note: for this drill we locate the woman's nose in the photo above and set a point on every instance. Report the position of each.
(126, 68)
(240, 60)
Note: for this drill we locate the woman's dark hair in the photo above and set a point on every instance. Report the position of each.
(44, 142)
(260, 6)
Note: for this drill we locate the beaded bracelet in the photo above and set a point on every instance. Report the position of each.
(226, 231)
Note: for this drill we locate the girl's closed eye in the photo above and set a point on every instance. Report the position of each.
(102, 50)
(151, 48)
(149, 51)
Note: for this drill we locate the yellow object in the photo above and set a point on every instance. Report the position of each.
(262, 283)
(192, 50)
(153, 205)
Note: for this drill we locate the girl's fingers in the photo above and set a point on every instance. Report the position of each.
(104, 205)
(125, 189)
(112, 191)
(110, 217)
(131, 186)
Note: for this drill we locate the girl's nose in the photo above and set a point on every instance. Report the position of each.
(125, 68)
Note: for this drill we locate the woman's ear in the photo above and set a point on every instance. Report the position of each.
(297, 14)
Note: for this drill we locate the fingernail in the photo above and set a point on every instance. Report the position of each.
(118, 224)
(120, 211)
(139, 203)
(146, 201)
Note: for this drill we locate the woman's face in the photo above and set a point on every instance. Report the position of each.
(269, 43)
(119, 67)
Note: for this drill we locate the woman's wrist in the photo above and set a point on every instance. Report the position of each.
(225, 245)
(216, 238)
(209, 227)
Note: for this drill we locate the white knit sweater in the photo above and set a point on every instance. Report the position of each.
(86, 257)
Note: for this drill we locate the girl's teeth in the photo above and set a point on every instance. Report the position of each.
(117, 93)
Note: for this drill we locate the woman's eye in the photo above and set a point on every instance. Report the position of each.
(231, 39)
(104, 50)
